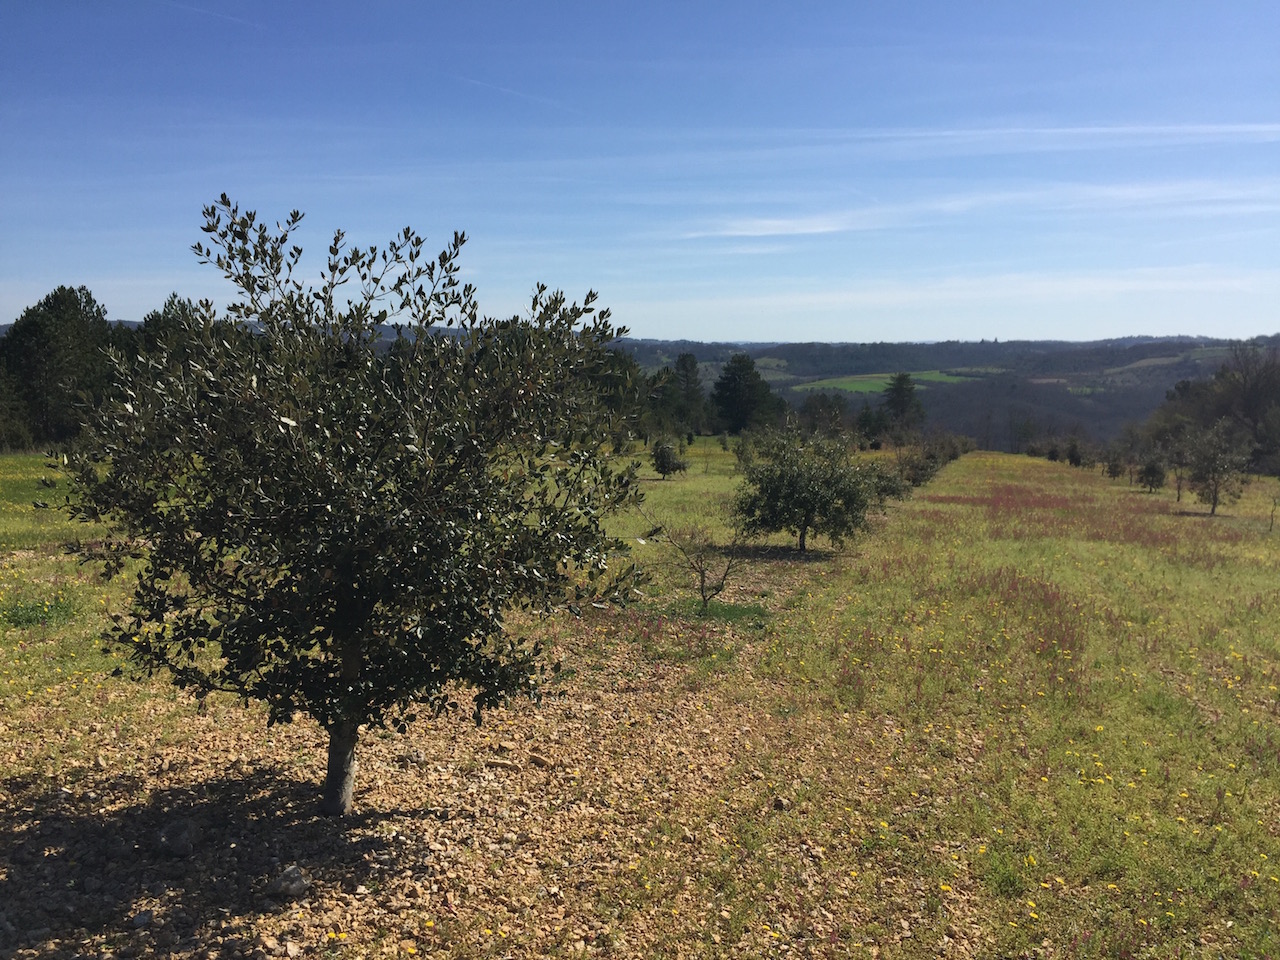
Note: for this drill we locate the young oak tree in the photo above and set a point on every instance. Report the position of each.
(813, 485)
(1219, 462)
(666, 457)
(340, 529)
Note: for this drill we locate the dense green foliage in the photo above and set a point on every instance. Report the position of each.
(666, 457)
(330, 527)
(677, 404)
(813, 485)
(902, 404)
(742, 398)
(1241, 401)
(52, 360)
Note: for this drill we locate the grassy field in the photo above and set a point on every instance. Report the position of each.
(1034, 712)
(876, 382)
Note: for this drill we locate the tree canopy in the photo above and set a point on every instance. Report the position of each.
(1244, 393)
(742, 398)
(902, 403)
(337, 528)
(54, 358)
(813, 485)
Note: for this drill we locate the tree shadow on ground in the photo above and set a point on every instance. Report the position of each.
(773, 552)
(187, 865)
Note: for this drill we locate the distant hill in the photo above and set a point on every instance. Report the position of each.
(1001, 393)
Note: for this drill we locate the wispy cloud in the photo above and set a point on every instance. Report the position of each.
(208, 13)
(1039, 138)
(518, 94)
(1028, 287)
(1174, 198)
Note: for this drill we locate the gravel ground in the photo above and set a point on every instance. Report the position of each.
(500, 840)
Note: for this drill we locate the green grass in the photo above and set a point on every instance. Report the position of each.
(1108, 667)
(876, 382)
(1032, 705)
(27, 481)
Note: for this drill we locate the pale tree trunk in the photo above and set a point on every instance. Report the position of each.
(340, 778)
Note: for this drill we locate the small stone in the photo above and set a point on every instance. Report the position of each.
(499, 764)
(505, 746)
(781, 803)
(291, 884)
(538, 760)
(178, 838)
(142, 919)
(166, 938)
(292, 949)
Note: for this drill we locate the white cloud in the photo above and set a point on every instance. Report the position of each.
(1179, 198)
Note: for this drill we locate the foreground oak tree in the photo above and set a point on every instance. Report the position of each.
(338, 522)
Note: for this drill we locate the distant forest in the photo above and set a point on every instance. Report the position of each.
(1005, 395)
(1009, 396)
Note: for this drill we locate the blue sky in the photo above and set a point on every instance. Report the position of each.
(848, 171)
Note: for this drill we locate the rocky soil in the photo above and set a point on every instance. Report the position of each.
(525, 836)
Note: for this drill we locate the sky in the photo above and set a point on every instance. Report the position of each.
(804, 171)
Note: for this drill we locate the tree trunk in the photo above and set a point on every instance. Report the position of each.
(803, 531)
(340, 777)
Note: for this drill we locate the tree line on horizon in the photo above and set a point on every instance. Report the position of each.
(54, 362)
(54, 365)
(1010, 395)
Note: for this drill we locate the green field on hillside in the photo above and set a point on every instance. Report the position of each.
(876, 382)
(1033, 713)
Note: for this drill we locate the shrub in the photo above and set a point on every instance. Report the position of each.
(666, 457)
(817, 486)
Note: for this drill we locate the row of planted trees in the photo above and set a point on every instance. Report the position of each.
(741, 403)
(338, 524)
(800, 483)
(335, 525)
(1207, 438)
